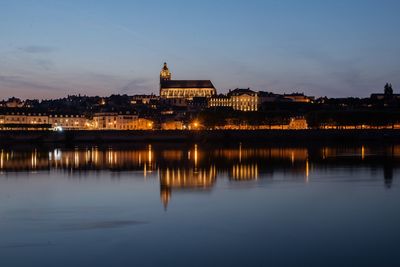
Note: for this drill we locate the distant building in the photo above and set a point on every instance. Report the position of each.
(143, 99)
(264, 97)
(387, 95)
(24, 121)
(220, 101)
(238, 99)
(172, 125)
(183, 89)
(68, 121)
(299, 97)
(116, 121)
(14, 103)
(244, 99)
(298, 123)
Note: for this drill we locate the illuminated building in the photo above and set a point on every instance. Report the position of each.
(116, 121)
(68, 121)
(172, 125)
(244, 99)
(22, 120)
(183, 89)
(220, 101)
(238, 99)
(298, 123)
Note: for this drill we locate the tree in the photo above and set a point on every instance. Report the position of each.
(388, 89)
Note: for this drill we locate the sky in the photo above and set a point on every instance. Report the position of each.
(335, 48)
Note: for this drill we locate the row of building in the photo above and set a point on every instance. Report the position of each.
(116, 121)
(99, 121)
(185, 92)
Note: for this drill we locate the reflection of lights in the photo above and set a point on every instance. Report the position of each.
(57, 154)
(87, 156)
(76, 158)
(34, 159)
(1, 159)
(307, 170)
(110, 157)
(150, 154)
(150, 157)
(240, 152)
(242, 172)
(115, 157)
(195, 155)
(95, 151)
(363, 152)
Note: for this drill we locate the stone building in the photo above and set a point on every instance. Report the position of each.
(244, 99)
(119, 121)
(183, 89)
(238, 99)
(68, 121)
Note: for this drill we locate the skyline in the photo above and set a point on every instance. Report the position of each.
(54, 49)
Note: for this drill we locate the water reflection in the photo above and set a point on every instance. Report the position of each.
(196, 167)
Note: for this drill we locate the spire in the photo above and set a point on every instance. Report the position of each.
(165, 74)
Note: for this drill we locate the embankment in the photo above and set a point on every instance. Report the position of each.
(224, 136)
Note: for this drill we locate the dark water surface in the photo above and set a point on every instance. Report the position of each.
(197, 205)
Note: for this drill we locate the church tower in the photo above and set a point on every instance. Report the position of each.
(165, 74)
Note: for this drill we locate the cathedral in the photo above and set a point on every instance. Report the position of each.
(184, 89)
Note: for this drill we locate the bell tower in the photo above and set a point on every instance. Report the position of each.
(165, 74)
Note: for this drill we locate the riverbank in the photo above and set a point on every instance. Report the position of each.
(224, 136)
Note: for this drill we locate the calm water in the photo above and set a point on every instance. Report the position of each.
(193, 205)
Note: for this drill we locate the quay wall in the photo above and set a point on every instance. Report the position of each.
(221, 136)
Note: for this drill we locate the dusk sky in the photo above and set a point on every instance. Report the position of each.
(50, 49)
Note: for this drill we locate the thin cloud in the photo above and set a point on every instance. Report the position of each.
(44, 64)
(136, 86)
(18, 82)
(37, 49)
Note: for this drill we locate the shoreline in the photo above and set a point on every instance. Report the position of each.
(201, 136)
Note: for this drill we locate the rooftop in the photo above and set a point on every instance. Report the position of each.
(187, 84)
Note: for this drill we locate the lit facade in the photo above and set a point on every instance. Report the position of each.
(68, 121)
(172, 125)
(22, 120)
(220, 101)
(183, 89)
(115, 121)
(244, 99)
(238, 99)
(298, 123)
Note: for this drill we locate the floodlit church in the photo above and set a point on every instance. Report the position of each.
(184, 89)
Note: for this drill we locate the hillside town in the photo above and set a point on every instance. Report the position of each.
(196, 105)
